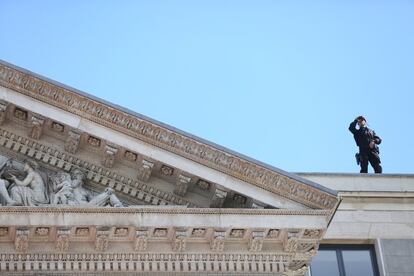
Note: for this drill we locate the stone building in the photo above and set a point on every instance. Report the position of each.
(90, 188)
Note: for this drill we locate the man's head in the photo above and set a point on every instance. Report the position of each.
(361, 121)
(78, 176)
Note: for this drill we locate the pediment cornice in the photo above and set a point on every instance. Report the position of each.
(167, 138)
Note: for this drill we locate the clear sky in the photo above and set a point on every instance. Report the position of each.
(279, 81)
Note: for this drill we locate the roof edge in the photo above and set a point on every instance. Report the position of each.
(292, 176)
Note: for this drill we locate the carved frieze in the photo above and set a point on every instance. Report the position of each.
(60, 160)
(60, 188)
(97, 263)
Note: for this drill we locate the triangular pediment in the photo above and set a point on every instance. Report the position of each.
(144, 161)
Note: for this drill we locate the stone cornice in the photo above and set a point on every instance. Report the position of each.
(96, 111)
(163, 210)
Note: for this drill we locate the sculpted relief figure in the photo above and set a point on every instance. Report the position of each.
(27, 188)
(30, 191)
(68, 190)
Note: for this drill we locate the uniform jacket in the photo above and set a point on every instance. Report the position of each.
(363, 136)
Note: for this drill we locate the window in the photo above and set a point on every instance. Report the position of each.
(344, 260)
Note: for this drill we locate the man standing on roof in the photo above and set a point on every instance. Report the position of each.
(368, 142)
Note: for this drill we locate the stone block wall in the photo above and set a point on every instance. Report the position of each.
(398, 257)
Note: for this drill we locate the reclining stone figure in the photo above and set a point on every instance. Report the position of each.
(62, 188)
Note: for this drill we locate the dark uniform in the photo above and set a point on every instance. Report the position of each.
(363, 137)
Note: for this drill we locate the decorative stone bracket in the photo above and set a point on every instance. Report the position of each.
(101, 242)
(62, 240)
(144, 170)
(141, 240)
(72, 142)
(21, 242)
(37, 127)
(3, 108)
(181, 186)
(109, 156)
(218, 198)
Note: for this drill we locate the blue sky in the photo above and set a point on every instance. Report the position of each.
(279, 81)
